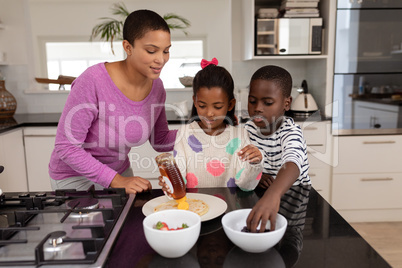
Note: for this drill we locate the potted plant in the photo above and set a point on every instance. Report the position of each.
(111, 29)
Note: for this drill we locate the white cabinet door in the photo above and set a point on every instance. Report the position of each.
(14, 176)
(142, 159)
(39, 144)
(319, 151)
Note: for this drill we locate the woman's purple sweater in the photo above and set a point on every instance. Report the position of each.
(99, 125)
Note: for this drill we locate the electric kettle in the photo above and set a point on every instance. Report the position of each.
(304, 103)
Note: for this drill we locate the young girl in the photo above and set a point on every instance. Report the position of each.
(207, 151)
(112, 107)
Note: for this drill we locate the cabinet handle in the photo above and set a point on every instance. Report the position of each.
(376, 179)
(312, 174)
(39, 136)
(310, 128)
(378, 142)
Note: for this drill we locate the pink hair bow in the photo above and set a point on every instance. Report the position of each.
(205, 63)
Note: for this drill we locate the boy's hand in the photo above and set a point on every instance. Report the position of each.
(265, 209)
(165, 187)
(265, 181)
(251, 154)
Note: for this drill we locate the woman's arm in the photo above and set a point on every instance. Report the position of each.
(80, 111)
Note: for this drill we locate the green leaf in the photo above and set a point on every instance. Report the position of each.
(158, 225)
(110, 29)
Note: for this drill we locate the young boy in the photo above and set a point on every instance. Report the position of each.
(278, 137)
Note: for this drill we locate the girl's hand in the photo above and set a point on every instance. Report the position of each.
(251, 154)
(265, 181)
(165, 187)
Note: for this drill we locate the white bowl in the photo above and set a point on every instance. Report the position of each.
(234, 221)
(172, 244)
(186, 81)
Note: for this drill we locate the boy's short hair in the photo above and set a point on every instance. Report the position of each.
(276, 74)
(139, 22)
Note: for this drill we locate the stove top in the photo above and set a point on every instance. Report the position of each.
(65, 227)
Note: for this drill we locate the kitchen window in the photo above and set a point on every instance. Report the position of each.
(72, 58)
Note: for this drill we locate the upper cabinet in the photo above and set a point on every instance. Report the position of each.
(294, 36)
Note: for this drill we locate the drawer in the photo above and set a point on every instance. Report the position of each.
(320, 179)
(319, 156)
(40, 131)
(367, 191)
(316, 133)
(368, 154)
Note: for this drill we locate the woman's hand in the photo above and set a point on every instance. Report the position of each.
(251, 154)
(132, 185)
(165, 187)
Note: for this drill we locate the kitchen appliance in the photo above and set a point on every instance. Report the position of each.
(65, 227)
(288, 36)
(304, 104)
(367, 70)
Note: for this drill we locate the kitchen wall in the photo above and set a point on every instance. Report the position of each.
(27, 21)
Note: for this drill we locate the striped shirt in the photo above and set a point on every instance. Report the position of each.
(285, 145)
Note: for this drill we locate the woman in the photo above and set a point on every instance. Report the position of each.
(113, 107)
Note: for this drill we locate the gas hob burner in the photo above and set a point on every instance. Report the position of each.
(56, 242)
(83, 203)
(56, 238)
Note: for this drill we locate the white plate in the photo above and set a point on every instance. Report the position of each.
(216, 205)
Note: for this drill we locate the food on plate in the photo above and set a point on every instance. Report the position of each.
(160, 225)
(195, 205)
(246, 230)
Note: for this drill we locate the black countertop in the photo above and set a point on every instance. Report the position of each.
(320, 239)
(52, 119)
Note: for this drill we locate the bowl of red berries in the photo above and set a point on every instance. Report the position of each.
(172, 233)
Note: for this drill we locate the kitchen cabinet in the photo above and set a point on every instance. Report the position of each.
(251, 33)
(39, 144)
(142, 160)
(317, 69)
(369, 115)
(366, 182)
(319, 149)
(14, 176)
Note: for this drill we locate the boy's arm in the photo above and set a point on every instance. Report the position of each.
(293, 153)
(268, 206)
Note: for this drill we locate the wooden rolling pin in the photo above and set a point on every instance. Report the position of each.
(61, 80)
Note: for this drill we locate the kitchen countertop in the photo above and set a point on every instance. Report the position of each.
(378, 98)
(52, 119)
(321, 239)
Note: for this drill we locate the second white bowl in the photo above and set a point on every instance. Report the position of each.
(234, 221)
